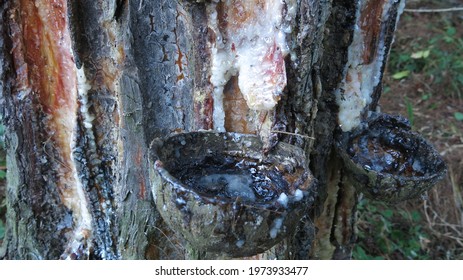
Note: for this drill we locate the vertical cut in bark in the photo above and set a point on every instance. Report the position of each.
(366, 59)
(45, 68)
(249, 42)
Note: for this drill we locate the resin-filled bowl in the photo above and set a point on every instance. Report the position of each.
(386, 161)
(224, 196)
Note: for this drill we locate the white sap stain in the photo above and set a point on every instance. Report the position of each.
(298, 195)
(82, 88)
(354, 93)
(240, 243)
(253, 47)
(283, 200)
(74, 197)
(276, 226)
(180, 201)
(232, 185)
(259, 220)
(417, 166)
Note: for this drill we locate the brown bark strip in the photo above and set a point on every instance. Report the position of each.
(371, 24)
(17, 51)
(45, 61)
(202, 95)
(322, 247)
(204, 104)
(343, 235)
(46, 65)
(48, 53)
(236, 109)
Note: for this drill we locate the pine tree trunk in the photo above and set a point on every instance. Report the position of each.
(87, 85)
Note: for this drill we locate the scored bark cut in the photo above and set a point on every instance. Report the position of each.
(46, 76)
(224, 196)
(386, 161)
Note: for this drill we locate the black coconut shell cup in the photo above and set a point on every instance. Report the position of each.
(220, 216)
(387, 161)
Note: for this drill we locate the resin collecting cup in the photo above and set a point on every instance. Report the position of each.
(387, 161)
(224, 196)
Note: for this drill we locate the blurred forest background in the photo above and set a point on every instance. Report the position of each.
(424, 82)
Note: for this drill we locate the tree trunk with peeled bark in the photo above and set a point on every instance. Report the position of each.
(87, 85)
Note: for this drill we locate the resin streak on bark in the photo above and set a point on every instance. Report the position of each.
(48, 53)
(236, 109)
(365, 28)
(370, 23)
(100, 44)
(367, 56)
(248, 40)
(201, 56)
(47, 66)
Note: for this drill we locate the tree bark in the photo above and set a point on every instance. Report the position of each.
(87, 85)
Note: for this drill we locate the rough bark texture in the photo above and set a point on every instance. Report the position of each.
(324, 163)
(143, 71)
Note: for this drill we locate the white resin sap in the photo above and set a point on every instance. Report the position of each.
(276, 227)
(298, 195)
(355, 91)
(231, 185)
(253, 47)
(283, 200)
